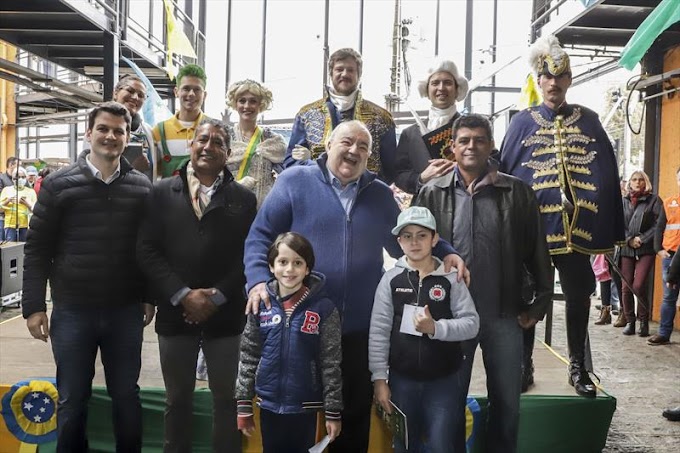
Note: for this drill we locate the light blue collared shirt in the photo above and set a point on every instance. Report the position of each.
(346, 194)
(97, 174)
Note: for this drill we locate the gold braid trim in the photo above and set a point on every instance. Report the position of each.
(573, 118)
(550, 208)
(583, 185)
(578, 138)
(545, 172)
(538, 119)
(589, 205)
(537, 140)
(575, 150)
(582, 234)
(551, 149)
(541, 165)
(550, 184)
(585, 159)
(551, 238)
(554, 149)
(579, 169)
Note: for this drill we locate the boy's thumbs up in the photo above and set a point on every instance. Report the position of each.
(424, 322)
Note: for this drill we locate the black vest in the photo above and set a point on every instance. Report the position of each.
(421, 357)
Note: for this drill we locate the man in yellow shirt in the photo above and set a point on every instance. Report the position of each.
(173, 136)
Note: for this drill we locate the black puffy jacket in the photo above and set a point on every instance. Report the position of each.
(82, 238)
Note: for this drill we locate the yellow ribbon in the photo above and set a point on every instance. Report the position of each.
(250, 151)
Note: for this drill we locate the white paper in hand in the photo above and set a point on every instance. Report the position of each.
(323, 443)
(407, 325)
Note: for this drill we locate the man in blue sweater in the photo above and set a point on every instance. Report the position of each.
(347, 214)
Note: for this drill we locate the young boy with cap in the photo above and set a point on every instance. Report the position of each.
(420, 315)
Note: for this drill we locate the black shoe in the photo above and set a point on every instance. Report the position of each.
(630, 329)
(644, 329)
(580, 380)
(672, 414)
(527, 376)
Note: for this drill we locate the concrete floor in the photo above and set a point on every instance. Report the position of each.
(644, 379)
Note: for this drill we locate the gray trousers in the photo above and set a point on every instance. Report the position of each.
(178, 363)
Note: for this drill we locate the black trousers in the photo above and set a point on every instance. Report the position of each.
(578, 283)
(577, 280)
(357, 395)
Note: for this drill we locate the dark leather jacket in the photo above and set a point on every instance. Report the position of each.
(523, 244)
(641, 221)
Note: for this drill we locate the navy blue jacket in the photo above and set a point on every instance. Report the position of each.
(294, 363)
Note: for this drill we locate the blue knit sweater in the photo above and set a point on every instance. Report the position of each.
(348, 248)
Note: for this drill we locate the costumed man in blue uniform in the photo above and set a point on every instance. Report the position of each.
(315, 122)
(562, 151)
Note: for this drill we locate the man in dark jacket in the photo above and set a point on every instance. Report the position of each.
(82, 237)
(492, 219)
(191, 250)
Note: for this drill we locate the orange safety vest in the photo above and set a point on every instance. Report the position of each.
(671, 235)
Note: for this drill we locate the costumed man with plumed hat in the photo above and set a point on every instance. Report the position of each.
(562, 151)
(424, 150)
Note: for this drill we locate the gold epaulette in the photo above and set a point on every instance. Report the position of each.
(313, 106)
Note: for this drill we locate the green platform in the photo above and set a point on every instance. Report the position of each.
(547, 423)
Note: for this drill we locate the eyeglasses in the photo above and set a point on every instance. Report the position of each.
(140, 94)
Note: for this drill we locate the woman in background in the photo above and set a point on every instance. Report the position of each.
(641, 210)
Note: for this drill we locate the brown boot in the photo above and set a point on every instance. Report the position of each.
(621, 320)
(605, 316)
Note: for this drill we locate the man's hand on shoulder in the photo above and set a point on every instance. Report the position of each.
(257, 294)
(198, 306)
(301, 153)
(39, 326)
(451, 261)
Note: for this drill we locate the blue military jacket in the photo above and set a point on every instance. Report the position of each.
(567, 158)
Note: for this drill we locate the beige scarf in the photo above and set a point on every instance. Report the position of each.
(200, 194)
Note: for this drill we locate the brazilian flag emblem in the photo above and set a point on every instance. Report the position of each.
(30, 411)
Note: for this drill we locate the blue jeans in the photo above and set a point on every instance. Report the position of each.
(670, 298)
(11, 234)
(76, 332)
(501, 342)
(432, 409)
